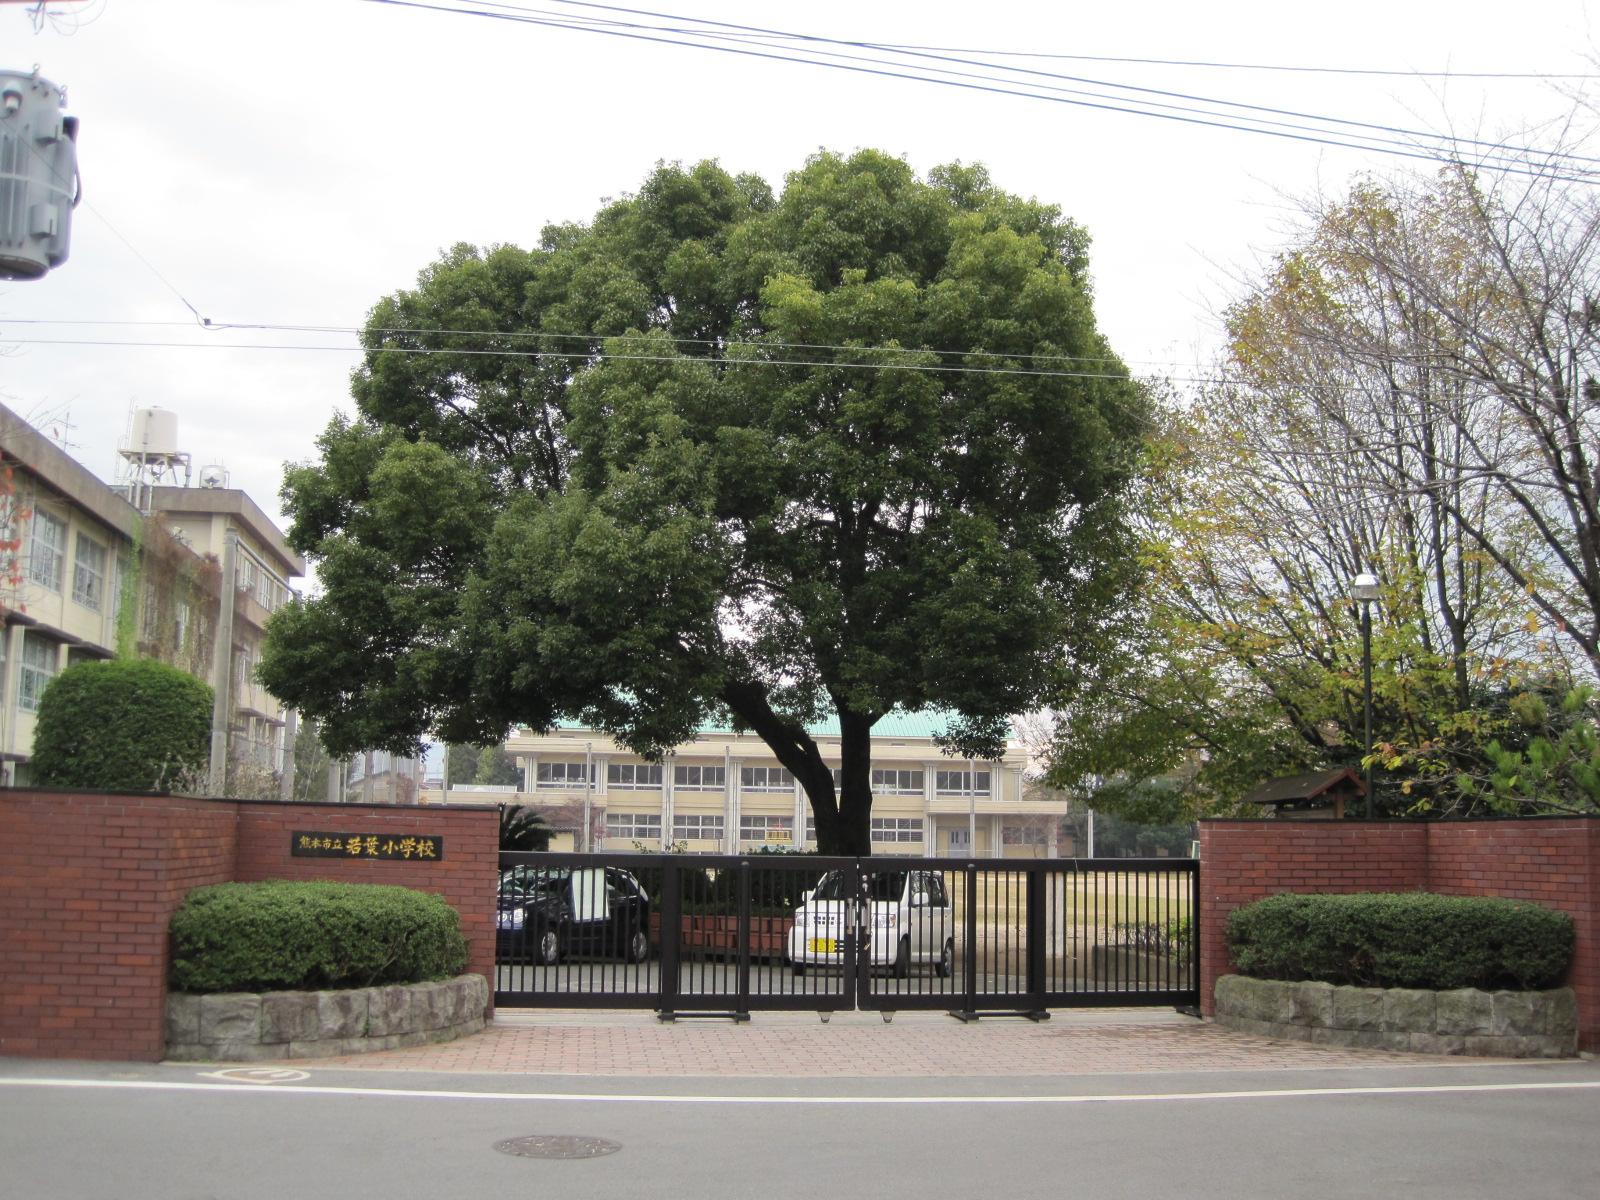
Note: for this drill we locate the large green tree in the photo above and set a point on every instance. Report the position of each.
(851, 448)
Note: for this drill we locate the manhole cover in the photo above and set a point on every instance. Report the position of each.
(558, 1145)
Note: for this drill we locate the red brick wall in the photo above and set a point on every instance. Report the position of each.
(1553, 862)
(89, 882)
(465, 876)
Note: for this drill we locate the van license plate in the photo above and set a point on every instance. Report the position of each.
(824, 946)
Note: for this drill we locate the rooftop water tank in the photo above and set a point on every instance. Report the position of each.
(38, 175)
(155, 433)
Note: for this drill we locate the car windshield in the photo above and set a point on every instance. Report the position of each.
(526, 881)
(888, 886)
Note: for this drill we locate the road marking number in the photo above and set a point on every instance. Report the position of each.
(258, 1075)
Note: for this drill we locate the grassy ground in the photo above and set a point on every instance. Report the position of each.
(1101, 899)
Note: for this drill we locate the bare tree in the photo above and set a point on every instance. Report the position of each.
(1469, 304)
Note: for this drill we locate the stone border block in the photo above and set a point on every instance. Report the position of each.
(247, 1027)
(1500, 1024)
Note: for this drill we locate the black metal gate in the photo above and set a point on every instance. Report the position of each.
(728, 935)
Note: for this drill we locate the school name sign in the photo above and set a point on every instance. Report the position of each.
(305, 843)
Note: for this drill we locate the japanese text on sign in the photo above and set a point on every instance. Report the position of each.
(385, 846)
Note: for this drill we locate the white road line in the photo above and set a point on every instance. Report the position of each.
(653, 1098)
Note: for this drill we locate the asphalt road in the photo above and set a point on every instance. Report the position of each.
(86, 1131)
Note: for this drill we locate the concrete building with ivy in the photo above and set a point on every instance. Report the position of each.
(86, 574)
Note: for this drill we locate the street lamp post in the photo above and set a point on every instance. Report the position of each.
(1365, 590)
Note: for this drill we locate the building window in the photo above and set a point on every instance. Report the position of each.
(49, 550)
(703, 779)
(1022, 835)
(962, 783)
(89, 572)
(561, 775)
(39, 659)
(888, 781)
(697, 827)
(245, 574)
(766, 829)
(897, 829)
(633, 775)
(766, 779)
(642, 827)
(811, 829)
(242, 682)
(892, 782)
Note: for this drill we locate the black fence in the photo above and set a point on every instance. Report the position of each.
(728, 935)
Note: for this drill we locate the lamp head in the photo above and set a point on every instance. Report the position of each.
(1365, 587)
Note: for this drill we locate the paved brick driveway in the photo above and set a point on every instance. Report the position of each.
(860, 1044)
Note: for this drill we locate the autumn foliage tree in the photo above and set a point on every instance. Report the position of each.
(1409, 389)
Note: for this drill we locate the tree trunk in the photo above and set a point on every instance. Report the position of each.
(855, 791)
(844, 822)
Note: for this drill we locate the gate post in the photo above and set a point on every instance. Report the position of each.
(969, 956)
(742, 1013)
(1035, 926)
(671, 932)
(1195, 974)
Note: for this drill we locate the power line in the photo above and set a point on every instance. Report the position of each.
(79, 201)
(541, 335)
(1241, 66)
(1379, 390)
(706, 27)
(1511, 159)
(1513, 167)
(936, 368)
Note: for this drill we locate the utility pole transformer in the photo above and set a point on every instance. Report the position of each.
(38, 175)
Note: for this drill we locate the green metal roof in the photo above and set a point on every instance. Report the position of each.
(927, 723)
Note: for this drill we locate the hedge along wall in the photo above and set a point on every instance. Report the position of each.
(466, 876)
(1554, 862)
(88, 883)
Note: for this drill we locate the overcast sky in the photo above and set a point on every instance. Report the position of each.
(289, 162)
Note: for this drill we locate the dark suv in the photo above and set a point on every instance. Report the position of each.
(548, 913)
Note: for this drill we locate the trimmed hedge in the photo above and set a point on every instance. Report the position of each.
(126, 725)
(303, 936)
(1407, 940)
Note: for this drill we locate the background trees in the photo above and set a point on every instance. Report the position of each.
(853, 447)
(1410, 389)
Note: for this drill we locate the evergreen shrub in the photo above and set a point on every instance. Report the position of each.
(1408, 940)
(301, 936)
(125, 725)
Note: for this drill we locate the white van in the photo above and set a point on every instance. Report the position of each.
(908, 913)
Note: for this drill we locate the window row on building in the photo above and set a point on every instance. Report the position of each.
(755, 827)
(569, 775)
(721, 792)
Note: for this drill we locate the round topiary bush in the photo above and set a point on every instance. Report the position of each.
(128, 725)
(1402, 940)
(304, 936)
